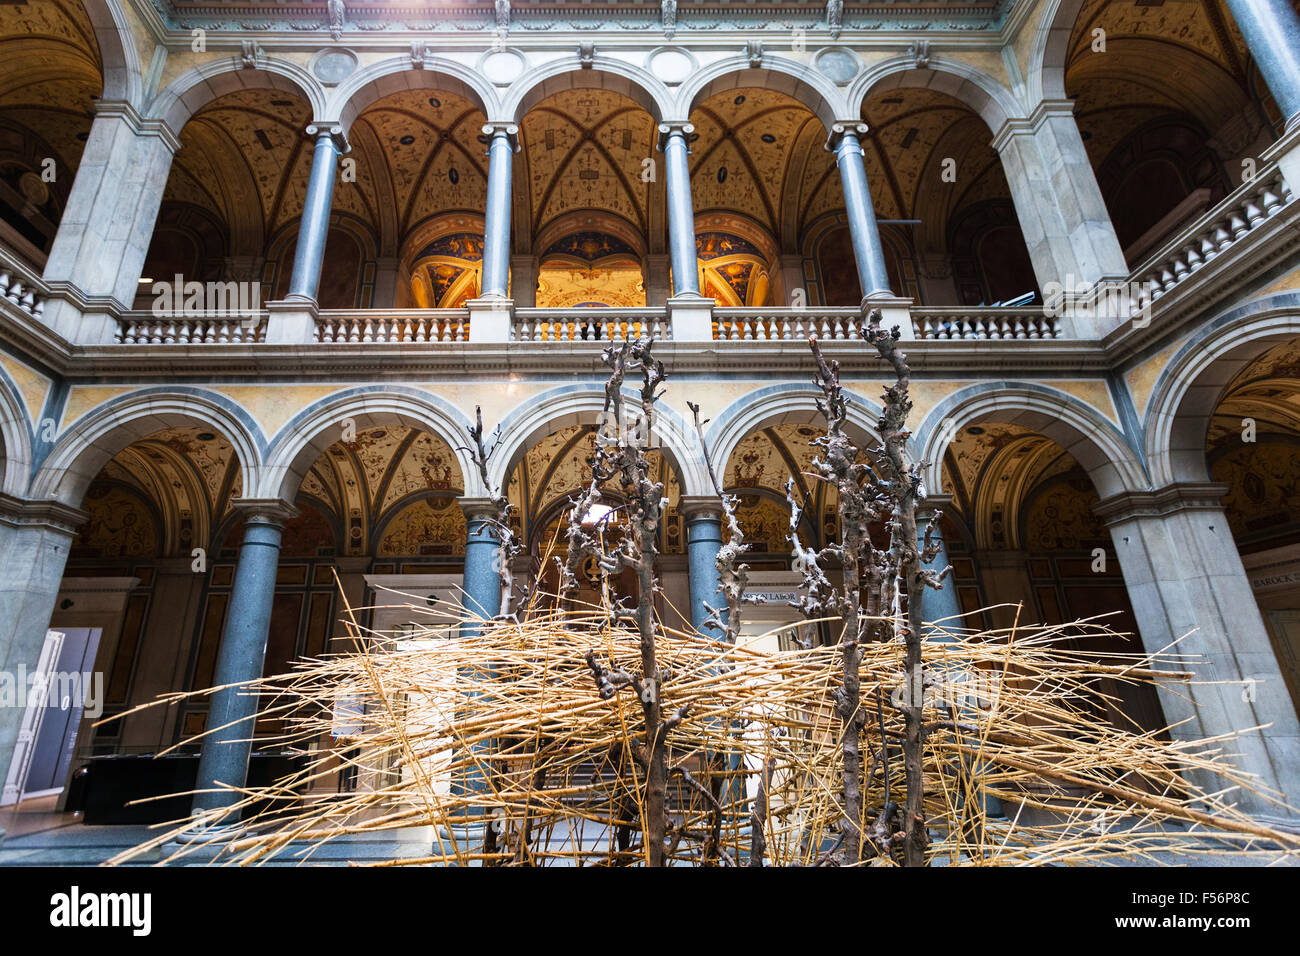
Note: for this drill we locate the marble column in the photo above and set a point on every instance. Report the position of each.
(482, 587)
(35, 537)
(1063, 218)
(943, 608)
(1185, 580)
(674, 141)
(868, 252)
(107, 225)
(1272, 32)
(703, 517)
(241, 656)
(313, 228)
(502, 146)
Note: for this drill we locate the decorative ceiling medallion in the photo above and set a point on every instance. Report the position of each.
(502, 67)
(837, 63)
(671, 65)
(332, 67)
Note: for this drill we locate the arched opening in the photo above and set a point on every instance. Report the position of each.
(949, 227)
(1253, 447)
(549, 473)
(420, 189)
(583, 200)
(1024, 536)
(1169, 103)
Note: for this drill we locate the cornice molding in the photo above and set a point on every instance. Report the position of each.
(1172, 499)
(50, 515)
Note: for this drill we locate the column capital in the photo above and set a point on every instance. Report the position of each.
(121, 109)
(478, 509)
(670, 128)
(842, 128)
(331, 131)
(48, 514)
(1029, 125)
(695, 507)
(272, 511)
(1172, 499)
(504, 128)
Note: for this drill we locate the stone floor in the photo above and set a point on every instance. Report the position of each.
(37, 835)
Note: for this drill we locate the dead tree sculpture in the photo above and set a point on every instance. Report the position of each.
(884, 488)
(622, 443)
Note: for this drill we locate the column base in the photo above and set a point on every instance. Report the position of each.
(691, 318)
(291, 321)
(491, 319)
(894, 312)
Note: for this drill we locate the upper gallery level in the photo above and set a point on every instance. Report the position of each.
(263, 177)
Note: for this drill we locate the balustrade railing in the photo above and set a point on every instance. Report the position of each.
(21, 284)
(588, 325)
(393, 327)
(146, 328)
(984, 323)
(1214, 232)
(785, 324)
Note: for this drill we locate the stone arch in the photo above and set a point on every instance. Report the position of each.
(566, 405)
(123, 77)
(198, 87)
(99, 434)
(794, 404)
(16, 435)
(297, 445)
(374, 82)
(1045, 77)
(1090, 438)
(568, 73)
(982, 93)
(1190, 386)
(796, 80)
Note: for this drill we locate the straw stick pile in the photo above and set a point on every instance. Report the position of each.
(503, 743)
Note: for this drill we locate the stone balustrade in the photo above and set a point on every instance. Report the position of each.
(146, 328)
(985, 323)
(21, 285)
(1210, 235)
(785, 324)
(402, 326)
(588, 325)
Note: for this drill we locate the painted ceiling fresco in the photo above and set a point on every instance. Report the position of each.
(179, 481)
(992, 469)
(1159, 58)
(446, 272)
(1263, 499)
(246, 159)
(373, 485)
(51, 79)
(583, 150)
(419, 153)
(556, 467)
(759, 153)
(1265, 391)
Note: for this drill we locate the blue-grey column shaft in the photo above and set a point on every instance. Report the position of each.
(482, 597)
(703, 541)
(681, 209)
(496, 226)
(482, 581)
(868, 253)
(943, 607)
(314, 226)
(1272, 32)
(241, 657)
